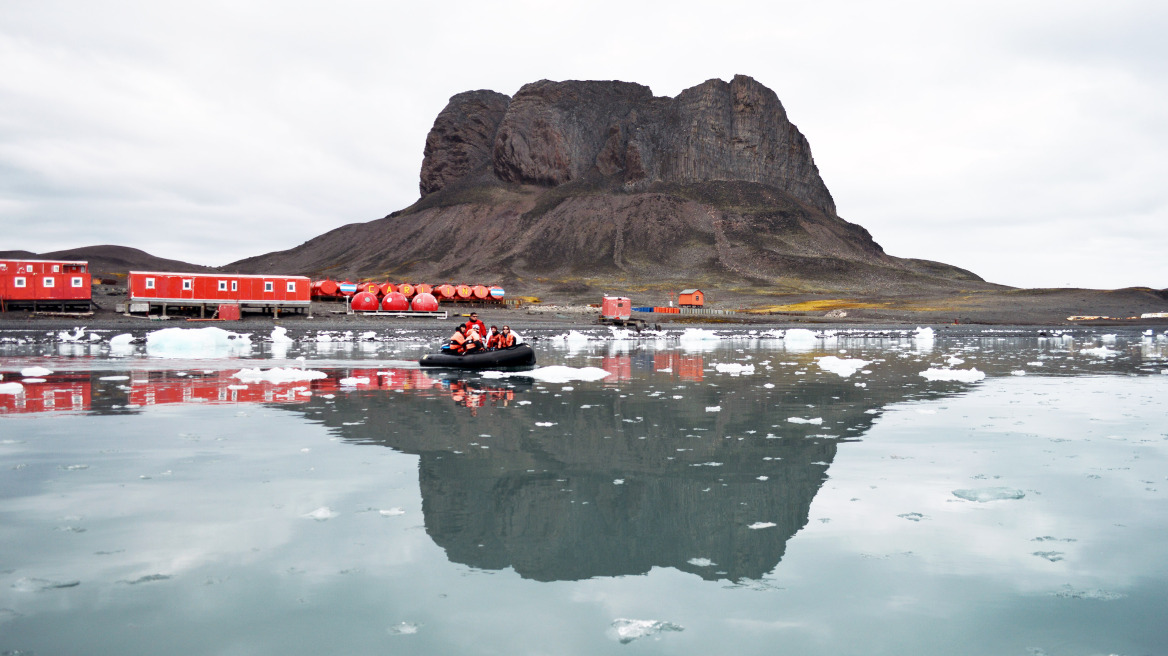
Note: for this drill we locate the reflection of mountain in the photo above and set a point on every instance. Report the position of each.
(627, 477)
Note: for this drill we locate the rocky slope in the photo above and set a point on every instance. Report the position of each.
(590, 186)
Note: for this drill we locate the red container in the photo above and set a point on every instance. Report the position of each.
(371, 287)
(388, 288)
(364, 302)
(228, 312)
(326, 287)
(423, 288)
(45, 280)
(463, 291)
(425, 303)
(215, 288)
(445, 291)
(406, 289)
(480, 291)
(395, 302)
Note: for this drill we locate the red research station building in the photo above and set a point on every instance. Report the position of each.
(45, 284)
(191, 290)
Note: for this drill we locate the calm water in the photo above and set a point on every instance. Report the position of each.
(740, 495)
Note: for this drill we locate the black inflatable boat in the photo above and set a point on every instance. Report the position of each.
(519, 355)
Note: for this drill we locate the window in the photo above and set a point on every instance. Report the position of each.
(78, 281)
(222, 285)
(56, 268)
(291, 287)
(18, 281)
(49, 281)
(149, 283)
(187, 284)
(268, 286)
(3, 266)
(234, 285)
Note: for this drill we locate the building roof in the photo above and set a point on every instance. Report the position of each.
(690, 291)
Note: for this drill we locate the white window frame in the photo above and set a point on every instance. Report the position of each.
(3, 266)
(78, 281)
(149, 283)
(19, 282)
(269, 286)
(48, 281)
(234, 285)
(291, 287)
(188, 284)
(56, 268)
(222, 285)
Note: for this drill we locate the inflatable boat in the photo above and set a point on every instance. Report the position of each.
(519, 355)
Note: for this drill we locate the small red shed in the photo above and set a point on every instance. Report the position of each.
(45, 282)
(616, 307)
(166, 289)
(691, 298)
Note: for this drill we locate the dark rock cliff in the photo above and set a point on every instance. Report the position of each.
(601, 185)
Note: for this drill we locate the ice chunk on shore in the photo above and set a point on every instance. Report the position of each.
(278, 375)
(35, 372)
(280, 335)
(842, 366)
(958, 375)
(196, 343)
(983, 494)
(628, 630)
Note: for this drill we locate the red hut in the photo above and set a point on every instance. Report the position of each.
(51, 283)
(691, 298)
(163, 289)
(616, 307)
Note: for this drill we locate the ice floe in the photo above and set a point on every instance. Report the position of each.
(196, 343)
(984, 494)
(322, 513)
(627, 630)
(844, 367)
(278, 375)
(1100, 352)
(758, 525)
(554, 374)
(734, 368)
(35, 372)
(11, 388)
(801, 420)
(958, 375)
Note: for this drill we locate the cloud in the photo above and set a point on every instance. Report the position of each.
(1007, 139)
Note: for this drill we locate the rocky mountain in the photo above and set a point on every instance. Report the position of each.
(579, 186)
(109, 260)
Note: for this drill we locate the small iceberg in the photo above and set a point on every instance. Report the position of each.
(628, 630)
(957, 375)
(843, 367)
(984, 494)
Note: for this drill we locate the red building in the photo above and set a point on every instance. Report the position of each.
(200, 290)
(45, 284)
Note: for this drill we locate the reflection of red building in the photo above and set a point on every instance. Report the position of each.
(64, 394)
(619, 366)
(684, 365)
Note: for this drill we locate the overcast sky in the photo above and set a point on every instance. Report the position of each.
(1025, 141)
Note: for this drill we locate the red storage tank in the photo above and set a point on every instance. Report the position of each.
(395, 302)
(445, 291)
(327, 287)
(371, 287)
(406, 289)
(463, 291)
(425, 303)
(497, 292)
(388, 288)
(481, 291)
(364, 302)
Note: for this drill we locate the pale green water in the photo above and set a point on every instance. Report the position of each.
(435, 513)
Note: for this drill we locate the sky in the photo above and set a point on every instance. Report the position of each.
(1024, 141)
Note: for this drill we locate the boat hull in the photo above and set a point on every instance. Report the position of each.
(519, 355)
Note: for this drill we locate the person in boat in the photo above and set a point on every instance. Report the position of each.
(457, 342)
(506, 338)
(493, 338)
(473, 322)
(474, 342)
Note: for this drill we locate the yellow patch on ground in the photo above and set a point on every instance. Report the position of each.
(821, 305)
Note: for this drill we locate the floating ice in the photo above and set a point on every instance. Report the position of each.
(563, 374)
(959, 375)
(983, 494)
(354, 381)
(278, 375)
(121, 343)
(700, 562)
(842, 366)
(196, 343)
(405, 628)
(799, 339)
(924, 336)
(1101, 352)
(76, 336)
(35, 372)
(114, 378)
(545, 424)
(280, 335)
(800, 420)
(34, 380)
(322, 513)
(11, 388)
(713, 408)
(698, 335)
(392, 512)
(758, 525)
(734, 368)
(628, 630)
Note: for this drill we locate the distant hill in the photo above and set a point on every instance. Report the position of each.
(108, 260)
(600, 186)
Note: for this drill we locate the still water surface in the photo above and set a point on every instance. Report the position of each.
(740, 494)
